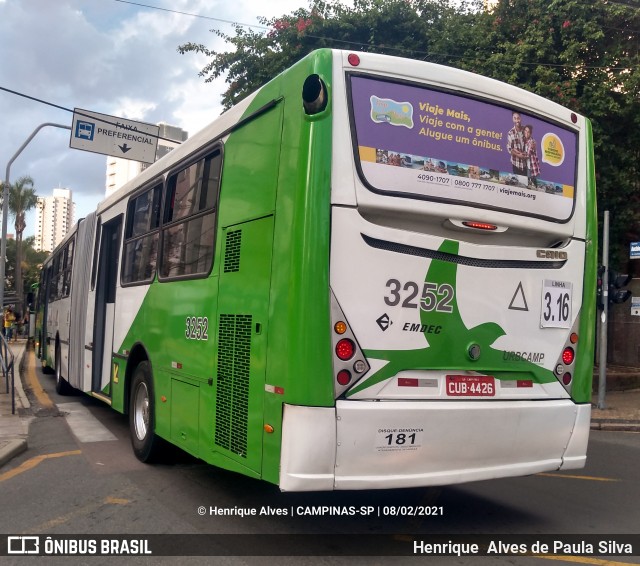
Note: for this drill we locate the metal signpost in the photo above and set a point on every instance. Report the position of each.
(5, 205)
(98, 133)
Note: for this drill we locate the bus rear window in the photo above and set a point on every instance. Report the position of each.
(415, 142)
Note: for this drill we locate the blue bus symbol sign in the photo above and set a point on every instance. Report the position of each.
(85, 130)
(634, 250)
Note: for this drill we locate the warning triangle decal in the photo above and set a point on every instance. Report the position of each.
(519, 302)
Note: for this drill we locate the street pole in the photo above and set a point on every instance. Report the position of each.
(602, 380)
(5, 205)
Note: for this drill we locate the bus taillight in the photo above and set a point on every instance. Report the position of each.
(344, 377)
(360, 366)
(568, 355)
(565, 364)
(345, 349)
(349, 361)
(340, 327)
(479, 225)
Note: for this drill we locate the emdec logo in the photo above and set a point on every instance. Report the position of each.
(384, 322)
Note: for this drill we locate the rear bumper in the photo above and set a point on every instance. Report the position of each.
(393, 444)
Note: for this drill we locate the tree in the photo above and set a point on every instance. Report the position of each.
(583, 55)
(31, 263)
(22, 198)
(396, 27)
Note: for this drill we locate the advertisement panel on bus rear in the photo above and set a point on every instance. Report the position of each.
(421, 143)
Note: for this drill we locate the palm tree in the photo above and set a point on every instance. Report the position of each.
(22, 198)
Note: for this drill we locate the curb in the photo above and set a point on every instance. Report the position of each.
(615, 426)
(11, 448)
(18, 383)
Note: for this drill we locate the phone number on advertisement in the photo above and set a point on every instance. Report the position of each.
(461, 183)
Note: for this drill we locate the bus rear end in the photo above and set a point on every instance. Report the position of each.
(462, 284)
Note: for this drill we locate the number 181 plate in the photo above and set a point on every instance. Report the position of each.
(471, 385)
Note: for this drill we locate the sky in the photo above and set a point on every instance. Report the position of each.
(107, 56)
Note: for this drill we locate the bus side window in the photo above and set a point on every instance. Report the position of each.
(141, 237)
(55, 277)
(188, 232)
(68, 266)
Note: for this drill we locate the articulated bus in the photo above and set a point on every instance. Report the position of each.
(371, 273)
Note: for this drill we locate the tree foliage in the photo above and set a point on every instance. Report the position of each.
(22, 198)
(395, 27)
(31, 264)
(583, 55)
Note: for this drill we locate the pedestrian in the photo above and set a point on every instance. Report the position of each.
(9, 321)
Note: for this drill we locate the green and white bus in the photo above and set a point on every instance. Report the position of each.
(373, 272)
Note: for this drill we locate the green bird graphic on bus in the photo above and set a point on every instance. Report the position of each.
(455, 346)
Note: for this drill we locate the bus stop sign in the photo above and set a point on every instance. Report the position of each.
(101, 133)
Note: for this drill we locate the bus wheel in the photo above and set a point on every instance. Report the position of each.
(142, 415)
(62, 385)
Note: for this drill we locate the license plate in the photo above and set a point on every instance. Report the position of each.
(471, 386)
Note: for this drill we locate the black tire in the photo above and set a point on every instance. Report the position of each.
(62, 385)
(146, 445)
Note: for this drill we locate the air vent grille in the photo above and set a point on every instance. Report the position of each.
(232, 251)
(232, 397)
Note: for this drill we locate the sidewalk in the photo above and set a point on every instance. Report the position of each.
(621, 412)
(14, 427)
(621, 401)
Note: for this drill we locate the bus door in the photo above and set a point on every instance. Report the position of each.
(79, 364)
(243, 310)
(104, 317)
(45, 297)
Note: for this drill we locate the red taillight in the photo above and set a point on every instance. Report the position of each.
(353, 59)
(568, 355)
(345, 349)
(479, 225)
(566, 378)
(344, 377)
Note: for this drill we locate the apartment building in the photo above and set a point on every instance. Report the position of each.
(55, 216)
